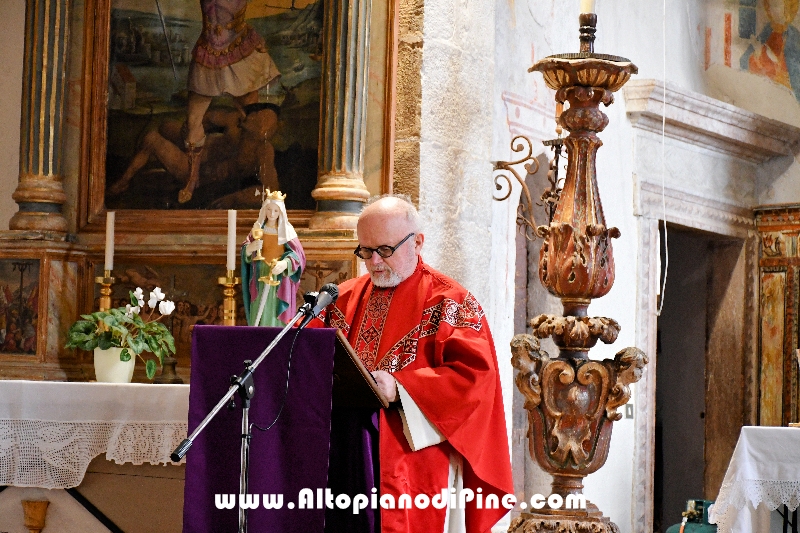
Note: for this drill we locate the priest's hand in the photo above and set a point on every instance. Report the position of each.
(387, 384)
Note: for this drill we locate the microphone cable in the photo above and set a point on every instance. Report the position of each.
(285, 390)
(330, 290)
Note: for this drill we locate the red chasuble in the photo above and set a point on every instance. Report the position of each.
(432, 335)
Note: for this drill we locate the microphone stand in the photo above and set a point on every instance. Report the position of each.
(243, 384)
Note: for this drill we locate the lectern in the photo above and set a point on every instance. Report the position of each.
(299, 389)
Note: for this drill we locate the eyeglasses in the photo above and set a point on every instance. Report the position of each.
(384, 251)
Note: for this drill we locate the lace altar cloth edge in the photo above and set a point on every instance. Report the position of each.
(50, 431)
(764, 469)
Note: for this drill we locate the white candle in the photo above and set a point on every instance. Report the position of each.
(109, 241)
(587, 6)
(231, 263)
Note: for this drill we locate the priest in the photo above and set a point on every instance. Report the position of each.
(427, 343)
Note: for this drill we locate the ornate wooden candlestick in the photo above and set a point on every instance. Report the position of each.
(229, 302)
(571, 400)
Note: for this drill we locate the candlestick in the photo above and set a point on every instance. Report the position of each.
(588, 29)
(109, 263)
(231, 263)
(105, 281)
(229, 302)
(587, 6)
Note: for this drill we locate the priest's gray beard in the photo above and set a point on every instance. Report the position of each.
(385, 278)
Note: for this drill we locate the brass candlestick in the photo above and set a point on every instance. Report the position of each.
(229, 302)
(34, 513)
(105, 281)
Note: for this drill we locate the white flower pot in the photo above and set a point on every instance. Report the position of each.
(109, 369)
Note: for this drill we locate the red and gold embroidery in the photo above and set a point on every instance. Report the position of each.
(469, 314)
(466, 315)
(370, 330)
(337, 320)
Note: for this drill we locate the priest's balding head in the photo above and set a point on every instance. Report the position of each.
(389, 239)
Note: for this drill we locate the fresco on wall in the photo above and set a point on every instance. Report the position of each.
(19, 305)
(259, 67)
(761, 37)
(773, 50)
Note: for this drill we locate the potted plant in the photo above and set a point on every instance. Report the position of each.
(118, 334)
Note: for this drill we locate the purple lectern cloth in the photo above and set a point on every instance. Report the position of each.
(353, 468)
(291, 456)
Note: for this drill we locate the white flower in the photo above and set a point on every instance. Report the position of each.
(155, 297)
(139, 295)
(166, 307)
(130, 311)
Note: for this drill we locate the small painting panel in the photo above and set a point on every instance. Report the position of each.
(773, 303)
(19, 305)
(773, 244)
(197, 295)
(318, 273)
(194, 289)
(205, 105)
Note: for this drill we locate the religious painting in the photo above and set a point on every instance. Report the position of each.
(19, 305)
(773, 48)
(206, 106)
(761, 37)
(319, 273)
(773, 303)
(193, 289)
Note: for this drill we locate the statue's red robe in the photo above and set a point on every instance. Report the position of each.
(433, 335)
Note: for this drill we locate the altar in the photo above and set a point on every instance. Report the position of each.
(102, 438)
(763, 475)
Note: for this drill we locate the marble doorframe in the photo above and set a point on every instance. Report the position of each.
(701, 133)
(701, 214)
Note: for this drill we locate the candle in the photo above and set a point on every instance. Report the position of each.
(587, 6)
(231, 263)
(109, 241)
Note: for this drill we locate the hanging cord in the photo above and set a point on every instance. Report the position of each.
(663, 156)
(285, 390)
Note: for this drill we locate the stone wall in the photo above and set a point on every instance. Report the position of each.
(408, 98)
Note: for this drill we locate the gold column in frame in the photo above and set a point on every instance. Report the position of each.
(40, 193)
(341, 192)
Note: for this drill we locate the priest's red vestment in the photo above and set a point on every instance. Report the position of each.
(433, 336)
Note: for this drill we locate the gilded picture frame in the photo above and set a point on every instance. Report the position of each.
(109, 36)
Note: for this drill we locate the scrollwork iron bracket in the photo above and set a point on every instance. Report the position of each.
(549, 199)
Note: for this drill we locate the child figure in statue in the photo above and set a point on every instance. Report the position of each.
(270, 284)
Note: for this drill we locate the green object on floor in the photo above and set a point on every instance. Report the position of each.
(696, 515)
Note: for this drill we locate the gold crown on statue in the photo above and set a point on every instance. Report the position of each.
(275, 195)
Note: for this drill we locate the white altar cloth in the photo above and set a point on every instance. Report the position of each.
(50, 431)
(764, 474)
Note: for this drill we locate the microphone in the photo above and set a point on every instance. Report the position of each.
(327, 295)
